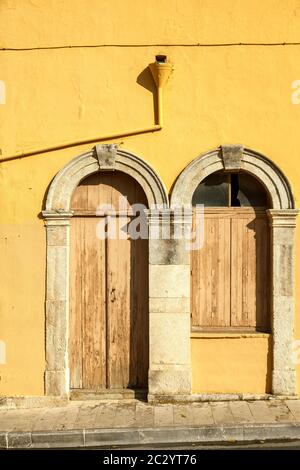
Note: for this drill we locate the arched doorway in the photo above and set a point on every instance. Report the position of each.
(230, 274)
(104, 160)
(108, 344)
(282, 221)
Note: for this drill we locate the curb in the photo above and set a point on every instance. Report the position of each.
(124, 437)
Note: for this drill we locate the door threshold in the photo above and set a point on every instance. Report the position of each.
(108, 394)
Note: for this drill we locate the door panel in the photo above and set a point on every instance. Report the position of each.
(93, 290)
(118, 314)
(76, 304)
(127, 319)
(211, 275)
(88, 305)
(107, 188)
(109, 317)
(139, 297)
(263, 272)
(243, 271)
(230, 274)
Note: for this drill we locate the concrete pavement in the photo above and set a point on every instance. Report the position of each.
(136, 423)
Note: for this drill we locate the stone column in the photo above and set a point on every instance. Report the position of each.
(169, 307)
(283, 224)
(57, 302)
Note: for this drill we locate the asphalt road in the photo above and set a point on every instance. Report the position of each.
(294, 445)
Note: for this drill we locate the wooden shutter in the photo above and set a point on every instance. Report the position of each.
(230, 274)
(211, 274)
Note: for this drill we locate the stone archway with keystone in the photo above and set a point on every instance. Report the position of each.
(169, 265)
(282, 218)
(169, 368)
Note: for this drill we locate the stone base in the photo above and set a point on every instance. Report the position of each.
(284, 382)
(53, 402)
(108, 394)
(213, 397)
(57, 382)
(169, 380)
(32, 402)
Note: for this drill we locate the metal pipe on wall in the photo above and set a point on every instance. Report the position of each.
(161, 70)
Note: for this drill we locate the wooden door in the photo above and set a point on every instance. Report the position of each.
(230, 274)
(108, 290)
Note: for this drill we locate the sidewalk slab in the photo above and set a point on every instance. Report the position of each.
(106, 424)
(134, 437)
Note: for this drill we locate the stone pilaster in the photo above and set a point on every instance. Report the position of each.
(283, 224)
(169, 306)
(57, 302)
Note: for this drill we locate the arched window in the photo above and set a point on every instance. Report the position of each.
(230, 274)
(223, 189)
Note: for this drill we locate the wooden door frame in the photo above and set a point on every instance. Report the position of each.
(282, 219)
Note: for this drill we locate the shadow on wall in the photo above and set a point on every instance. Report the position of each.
(269, 365)
(145, 79)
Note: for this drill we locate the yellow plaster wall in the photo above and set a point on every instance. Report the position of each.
(231, 365)
(216, 95)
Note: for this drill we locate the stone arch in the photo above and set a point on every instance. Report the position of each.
(68, 178)
(252, 162)
(57, 215)
(282, 219)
